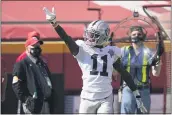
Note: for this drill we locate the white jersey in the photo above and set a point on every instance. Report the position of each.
(97, 66)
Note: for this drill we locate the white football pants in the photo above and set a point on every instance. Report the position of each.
(97, 106)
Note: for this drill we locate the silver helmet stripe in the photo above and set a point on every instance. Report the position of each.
(95, 22)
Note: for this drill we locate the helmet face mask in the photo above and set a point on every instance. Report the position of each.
(97, 33)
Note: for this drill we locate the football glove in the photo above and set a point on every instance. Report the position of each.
(139, 102)
(155, 61)
(50, 16)
(30, 104)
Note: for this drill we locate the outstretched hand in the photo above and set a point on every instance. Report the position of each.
(50, 16)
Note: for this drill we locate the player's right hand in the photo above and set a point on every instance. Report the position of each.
(50, 16)
(139, 102)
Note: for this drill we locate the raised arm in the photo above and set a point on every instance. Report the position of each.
(51, 17)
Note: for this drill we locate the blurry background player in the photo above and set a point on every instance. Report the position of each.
(96, 62)
(137, 61)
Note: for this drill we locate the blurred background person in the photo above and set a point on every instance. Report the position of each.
(32, 80)
(137, 61)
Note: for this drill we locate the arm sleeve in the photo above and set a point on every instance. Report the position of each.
(73, 47)
(125, 75)
(118, 51)
(18, 81)
(122, 51)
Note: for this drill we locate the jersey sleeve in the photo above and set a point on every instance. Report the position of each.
(80, 54)
(117, 53)
(122, 51)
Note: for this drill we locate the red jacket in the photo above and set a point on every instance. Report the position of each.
(21, 57)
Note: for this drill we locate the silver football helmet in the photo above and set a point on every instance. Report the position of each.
(96, 33)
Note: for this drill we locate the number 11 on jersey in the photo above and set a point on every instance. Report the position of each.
(94, 69)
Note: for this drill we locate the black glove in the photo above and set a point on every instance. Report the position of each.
(30, 104)
(156, 61)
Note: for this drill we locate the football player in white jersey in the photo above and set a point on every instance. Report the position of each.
(97, 62)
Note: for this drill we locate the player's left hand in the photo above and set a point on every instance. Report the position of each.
(139, 102)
